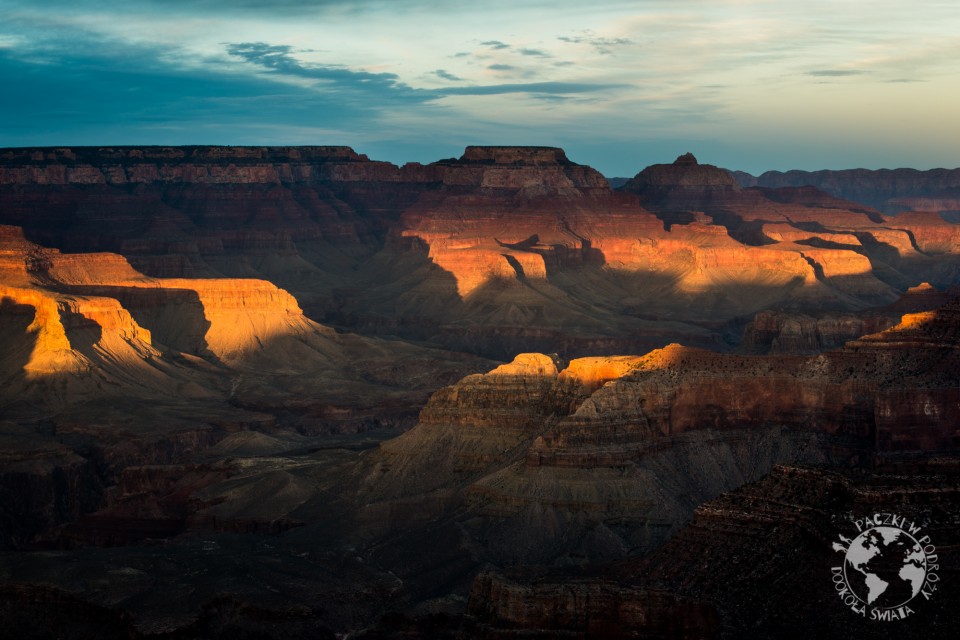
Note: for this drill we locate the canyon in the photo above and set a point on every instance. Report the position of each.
(889, 190)
(297, 392)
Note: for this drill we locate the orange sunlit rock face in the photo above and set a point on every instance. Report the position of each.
(501, 250)
(640, 439)
(89, 326)
(593, 373)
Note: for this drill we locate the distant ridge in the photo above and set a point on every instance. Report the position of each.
(888, 190)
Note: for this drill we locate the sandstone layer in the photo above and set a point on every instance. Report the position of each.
(607, 457)
(104, 368)
(503, 250)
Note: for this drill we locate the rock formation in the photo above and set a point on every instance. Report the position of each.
(888, 190)
(208, 355)
(547, 457)
(755, 562)
(136, 370)
(503, 250)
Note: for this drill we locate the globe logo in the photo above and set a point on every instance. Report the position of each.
(885, 567)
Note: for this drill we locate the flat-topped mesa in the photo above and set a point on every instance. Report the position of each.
(684, 172)
(203, 165)
(534, 171)
(187, 154)
(515, 155)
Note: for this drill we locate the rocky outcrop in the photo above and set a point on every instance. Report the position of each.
(42, 485)
(684, 172)
(795, 333)
(548, 458)
(754, 562)
(103, 368)
(799, 333)
(685, 185)
(946, 202)
(930, 232)
(469, 428)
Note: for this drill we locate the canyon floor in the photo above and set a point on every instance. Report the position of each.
(257, 392)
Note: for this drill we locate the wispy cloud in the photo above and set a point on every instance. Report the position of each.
(556, 88)
(353, 87)
(280, 59)
(711, 73)
(537, 53)
(601, 44)
(835, 73)
(446, 75)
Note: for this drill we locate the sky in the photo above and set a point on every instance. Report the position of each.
(744, 84)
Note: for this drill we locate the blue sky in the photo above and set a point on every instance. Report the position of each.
(744, 84)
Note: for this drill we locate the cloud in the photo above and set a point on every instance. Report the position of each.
(279, 59)
(383, 88)
(344, 82)
(601, 44)
(559, 88)
(622, 71)
(553, 98)
(130, 100)
(835, 73)
(268, 8)
(446, 75)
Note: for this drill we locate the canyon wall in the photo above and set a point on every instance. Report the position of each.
(503, 250)
(888, 190)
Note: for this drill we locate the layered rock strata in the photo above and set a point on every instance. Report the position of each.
(889, 190)
(757, 561)
(502, 250)
(103, 368)
(608, 456)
